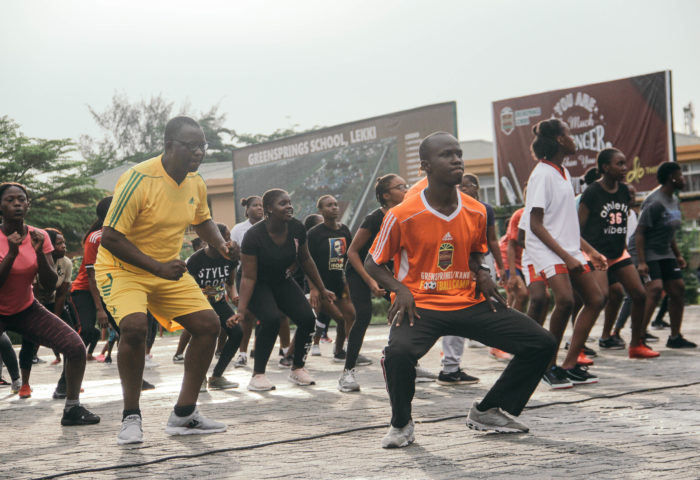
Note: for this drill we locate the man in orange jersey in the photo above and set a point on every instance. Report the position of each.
(437, 240)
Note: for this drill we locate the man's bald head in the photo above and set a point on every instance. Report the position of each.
(429, 142)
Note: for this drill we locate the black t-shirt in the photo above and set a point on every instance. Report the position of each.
(329, 250)
(606, 228)
(372, 223)
(211, 274)
(274, 262)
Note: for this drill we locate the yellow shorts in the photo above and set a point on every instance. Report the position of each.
(125, 293)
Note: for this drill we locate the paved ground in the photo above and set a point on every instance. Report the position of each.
(640, 421)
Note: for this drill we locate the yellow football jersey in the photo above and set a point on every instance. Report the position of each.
(153, 212)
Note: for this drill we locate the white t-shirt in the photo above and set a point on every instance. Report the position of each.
(549, 188)
(238, 231)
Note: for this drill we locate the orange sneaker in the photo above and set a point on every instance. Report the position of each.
(25, 391)
(642, 351)
(499, 355)
(583, 360)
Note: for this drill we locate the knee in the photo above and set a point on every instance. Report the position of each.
(653, 291)
(565, 304)
(547, 344)
(637, 295)
(133, 333)
(75, 350)
(207, 325)
(398, 353)
(598, 301)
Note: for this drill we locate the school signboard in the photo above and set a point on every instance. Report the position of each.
(632, 114)
(343, 161)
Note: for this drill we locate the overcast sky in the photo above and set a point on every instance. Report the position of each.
(272, 64)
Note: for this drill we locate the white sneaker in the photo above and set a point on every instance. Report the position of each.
(315, 350)
(347, 382)
(149, 362)
(221, 383)
(178, 358)
(203, 388)
(260, 383)
(424, 375)
(131, 431)
(399, 437)
(475, 344)
(16, 385)
(195, 424)
(301, 376)
(494, 419)
(241, 361)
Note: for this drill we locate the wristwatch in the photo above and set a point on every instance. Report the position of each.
(483, 266)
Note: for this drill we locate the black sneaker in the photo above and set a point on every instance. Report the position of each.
(613, 342)
(679, 342)
(660, 325)
(589, 352)
(60, 392)
(649, 338)
(456, 378)
(579, 375)
(556, 378)
(108, 359)
(147, 385)
(339, 357)
(286, 362)
(79, 415)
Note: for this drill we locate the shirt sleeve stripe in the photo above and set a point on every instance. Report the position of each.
(122, 196)
(384, 234)
(121, 208)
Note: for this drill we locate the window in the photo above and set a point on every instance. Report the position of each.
(691, 172)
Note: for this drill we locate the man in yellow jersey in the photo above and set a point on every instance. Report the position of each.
(138, 268)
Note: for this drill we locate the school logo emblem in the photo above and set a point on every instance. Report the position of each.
(507, 120)
(445, 256)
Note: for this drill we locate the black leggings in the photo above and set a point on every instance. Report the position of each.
(235, 334)
(361, 297)
(266, 303)
(8, 356)
(87, 315)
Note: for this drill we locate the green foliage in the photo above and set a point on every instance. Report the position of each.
(688, 242)
(60, 196)
(133, 132)
(245, 139)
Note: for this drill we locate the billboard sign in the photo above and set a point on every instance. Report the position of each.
(632, 114)
(343, 161)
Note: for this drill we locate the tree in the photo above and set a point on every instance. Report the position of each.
(60, 196)
(133, 132)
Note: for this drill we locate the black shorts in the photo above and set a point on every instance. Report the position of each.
(665, 269)
(612, 276)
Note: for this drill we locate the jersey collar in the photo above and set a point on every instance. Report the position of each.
(558, 168)
(438, 214)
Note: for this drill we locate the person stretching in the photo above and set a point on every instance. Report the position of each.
(441, 288)
(24, 252)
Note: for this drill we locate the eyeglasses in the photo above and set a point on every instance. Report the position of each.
(193, 146)
(401, 186)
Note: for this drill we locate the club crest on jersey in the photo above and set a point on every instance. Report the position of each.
(445, 256)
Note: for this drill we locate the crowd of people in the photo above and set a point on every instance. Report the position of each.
(425, 250)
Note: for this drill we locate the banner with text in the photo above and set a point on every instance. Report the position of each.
(632, 114)
(343, 161)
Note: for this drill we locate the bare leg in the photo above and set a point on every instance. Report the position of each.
(594, 300)
(676, 291)
(182, 343)
(204, 328)
(563, 307)
(130, 357)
